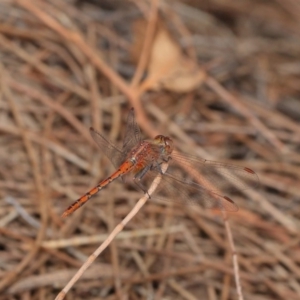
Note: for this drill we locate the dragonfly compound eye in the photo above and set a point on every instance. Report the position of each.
(169, 144)
(159, 138)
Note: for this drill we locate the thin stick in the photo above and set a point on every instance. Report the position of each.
(32, 157)
(149, 35)
(113, 234)
(246, 112)
(234, 258)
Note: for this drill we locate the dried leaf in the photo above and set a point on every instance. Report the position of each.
(169, 68)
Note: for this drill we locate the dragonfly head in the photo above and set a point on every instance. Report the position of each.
(165, 142)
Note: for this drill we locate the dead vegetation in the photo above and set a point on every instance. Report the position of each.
(220, 77)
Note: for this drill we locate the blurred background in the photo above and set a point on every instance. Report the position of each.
(220, 77)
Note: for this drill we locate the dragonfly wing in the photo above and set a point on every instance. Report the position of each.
(132, 133)
(174, 189)
(220, 176)
(202, 182)
(107, 147)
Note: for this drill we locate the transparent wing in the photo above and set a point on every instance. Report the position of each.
(131, 139)
(107, 147)
(174, 189)
(221, 176)
(132, 133)
(201, 182)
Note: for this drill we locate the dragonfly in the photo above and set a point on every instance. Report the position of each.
(187, 180)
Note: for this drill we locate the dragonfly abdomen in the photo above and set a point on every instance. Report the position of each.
(126, 167)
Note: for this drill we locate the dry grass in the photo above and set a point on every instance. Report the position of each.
(220, 77)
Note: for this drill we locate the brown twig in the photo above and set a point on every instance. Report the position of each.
(149, 35)
(32, 157)
(231, 100)
(234, 257)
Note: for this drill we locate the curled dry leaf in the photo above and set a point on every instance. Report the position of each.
(169, 68)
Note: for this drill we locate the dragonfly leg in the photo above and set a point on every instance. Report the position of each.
(167, 159)
(140, 186)
(157, 165)
(137, 179)
(140, 174)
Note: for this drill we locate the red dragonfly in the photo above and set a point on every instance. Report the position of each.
(142, 161)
